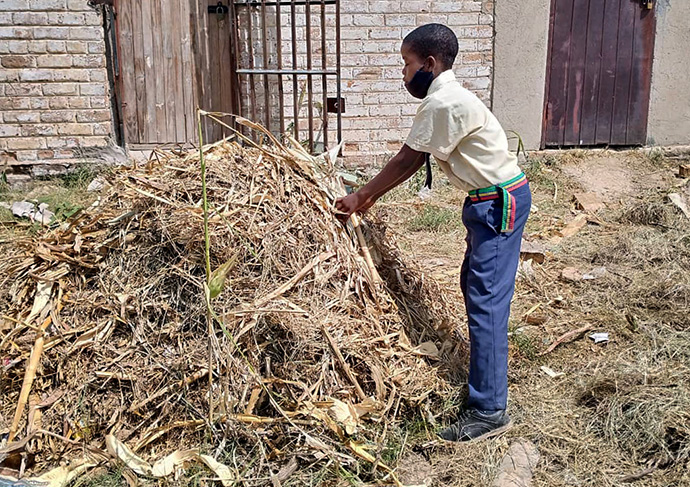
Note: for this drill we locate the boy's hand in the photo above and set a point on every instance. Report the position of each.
(351, 203)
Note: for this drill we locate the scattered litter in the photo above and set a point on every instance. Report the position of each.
(577, 224)
(680, 202)
(518, 465)
(5, 205)
(536, 319)
(425, 193)
(595, 273)
(551, 373)
(566, 338)
(98, 184)
(27, 209)
(589, 202)
(534, 208)
(532, 249)
(525, 270)
(571, 274)
(684, 171)
(599, 337)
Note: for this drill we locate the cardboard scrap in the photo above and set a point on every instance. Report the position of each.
(571, 274)
(684, 171)
(577, 224)
(534, 250)
(589, 202)
(680, 202)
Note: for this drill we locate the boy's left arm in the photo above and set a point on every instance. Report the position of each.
(403, 165)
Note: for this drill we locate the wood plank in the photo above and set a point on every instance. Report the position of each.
(158, 66)
(153, 134)
(643, 53)
(608, 72)
(214, 99)
(592, 81)
(188, 78)
(177, 81)
(576, 72)
(168, 73)
(224, 64)
(201, 62)
(129, 100)
(139, 71)
(560, 57)
(621, 99)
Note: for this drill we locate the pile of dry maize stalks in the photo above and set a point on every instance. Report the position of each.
(321, 335)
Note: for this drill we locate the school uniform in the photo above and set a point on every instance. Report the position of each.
(471, 148)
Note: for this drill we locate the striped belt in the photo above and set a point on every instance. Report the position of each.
(502, 191)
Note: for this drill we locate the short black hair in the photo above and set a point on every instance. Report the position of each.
(435, 40)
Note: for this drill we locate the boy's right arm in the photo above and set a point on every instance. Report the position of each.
(403, 165)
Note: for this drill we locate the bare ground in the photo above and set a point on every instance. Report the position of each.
(620, 411)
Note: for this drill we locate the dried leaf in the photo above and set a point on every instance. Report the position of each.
(427, 349)
(167, 465)
(346, 415)
(223, 472)
(128, 457)
(43, 291)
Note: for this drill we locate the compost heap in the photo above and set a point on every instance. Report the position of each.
(305, 345)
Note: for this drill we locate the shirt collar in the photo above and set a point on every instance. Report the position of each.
(440, 80)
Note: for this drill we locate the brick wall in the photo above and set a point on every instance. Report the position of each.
(379, 110)
(54, 99)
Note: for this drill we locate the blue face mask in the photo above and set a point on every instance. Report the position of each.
(420, 83)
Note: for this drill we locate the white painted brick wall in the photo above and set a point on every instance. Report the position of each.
(53, 80)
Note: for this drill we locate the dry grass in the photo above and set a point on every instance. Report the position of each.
(621, 409)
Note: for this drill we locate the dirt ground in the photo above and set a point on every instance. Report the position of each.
(600, 414)
(618, 411)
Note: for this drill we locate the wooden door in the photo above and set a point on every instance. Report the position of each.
(598, 73)
(174, 57)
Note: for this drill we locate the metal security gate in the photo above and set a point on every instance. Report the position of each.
(599, 72)
(287, 67)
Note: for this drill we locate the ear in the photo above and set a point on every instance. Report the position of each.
(432, 64)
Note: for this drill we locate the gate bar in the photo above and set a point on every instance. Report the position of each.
(314, 72)
(324, 80)
(251, 63)
(310, 79)
(295, 101)
(264, 45)
(281, 91)
(256, 3)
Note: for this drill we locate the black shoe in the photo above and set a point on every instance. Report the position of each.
(476, 425)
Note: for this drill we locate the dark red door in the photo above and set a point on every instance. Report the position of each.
(599, 73)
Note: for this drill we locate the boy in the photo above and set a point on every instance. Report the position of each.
(471, 148)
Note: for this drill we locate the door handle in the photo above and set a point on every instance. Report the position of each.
(219, 9)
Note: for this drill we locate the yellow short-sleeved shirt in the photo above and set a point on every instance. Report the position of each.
(462, 134)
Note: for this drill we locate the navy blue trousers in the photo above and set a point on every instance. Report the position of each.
(488, 283)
